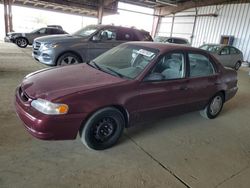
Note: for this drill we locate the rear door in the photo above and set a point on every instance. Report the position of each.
(203, 79)
(224, 56)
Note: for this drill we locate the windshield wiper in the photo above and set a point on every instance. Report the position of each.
(93, 64)
(115, 72)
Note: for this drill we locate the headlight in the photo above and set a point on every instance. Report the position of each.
(48, 46)
(49, 108)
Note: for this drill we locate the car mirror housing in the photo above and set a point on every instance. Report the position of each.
(154, 77)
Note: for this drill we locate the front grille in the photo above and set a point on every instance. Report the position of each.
(36, 45)
(23, 95)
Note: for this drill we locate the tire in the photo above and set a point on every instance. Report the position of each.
(103, 129)
(22, 42)
(214, 106)
(68, 59)
(237, 65)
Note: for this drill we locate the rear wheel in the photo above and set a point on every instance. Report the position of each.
(237, 65)
(21, 42)
(214, 107)
(103, 129)
(68, 59)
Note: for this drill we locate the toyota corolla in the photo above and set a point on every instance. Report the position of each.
(127, 84)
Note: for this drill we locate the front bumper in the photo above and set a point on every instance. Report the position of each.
(8, 39)
(44, 57)
(48, 127)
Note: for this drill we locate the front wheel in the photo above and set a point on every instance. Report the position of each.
(21, 42)
(103, 129)
(68, 59)
(214, 107)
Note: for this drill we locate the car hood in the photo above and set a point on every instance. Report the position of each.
(54, 83)
(60, 38)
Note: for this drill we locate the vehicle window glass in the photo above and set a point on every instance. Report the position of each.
(213, 48)
(170, 41)
(233, 51)
(200, 65)
(107, 34)
(224, 51)
(125, 60)
(41, 31)
(171, 66)
(86, 31)
(179, 41)
(125, 34)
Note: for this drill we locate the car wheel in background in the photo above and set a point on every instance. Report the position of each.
(68, 59)
(22, 42)
(214, 106)
(103, 129)
(237, 65)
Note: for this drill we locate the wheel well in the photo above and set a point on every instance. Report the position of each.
(124, 112)
(22, 37)
(223, 93)
(118, 107)
(73, 52)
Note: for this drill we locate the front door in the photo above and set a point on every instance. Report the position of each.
(167, 96)
(101, 42)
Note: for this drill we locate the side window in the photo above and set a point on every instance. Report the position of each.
(225, 51)
(200, 65)
(108, 34)
(125, 35)
(179, 41)
(171, 66)
(233, 51)
(170, 40)
(42, 31)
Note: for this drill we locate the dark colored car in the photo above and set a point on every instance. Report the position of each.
(85, 44)
(129, 83)
(24, 39)
(228, 56)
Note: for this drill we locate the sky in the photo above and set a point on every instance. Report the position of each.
(27, 19)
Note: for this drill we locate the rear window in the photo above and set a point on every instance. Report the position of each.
(144, 36)
(179, 41)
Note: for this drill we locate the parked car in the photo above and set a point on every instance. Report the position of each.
(229, 56)
(174, 40)
(24, 39)
(127, 84)
(85, 44)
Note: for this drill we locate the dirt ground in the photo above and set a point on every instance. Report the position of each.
(182, 151)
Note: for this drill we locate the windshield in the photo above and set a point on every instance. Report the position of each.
(126, 60)
(86, 31)
(34, 31)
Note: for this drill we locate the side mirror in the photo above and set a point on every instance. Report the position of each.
(95, 38)
(154, 77)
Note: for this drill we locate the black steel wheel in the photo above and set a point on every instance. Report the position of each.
(103, 129)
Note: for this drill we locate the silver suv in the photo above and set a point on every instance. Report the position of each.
(84, 45)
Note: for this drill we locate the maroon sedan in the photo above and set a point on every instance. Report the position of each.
(132, 82)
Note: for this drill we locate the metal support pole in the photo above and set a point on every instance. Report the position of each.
(10, 15)
(195, 19)
(100, 11)
(156, 21)
(6, 23)
(172, 26)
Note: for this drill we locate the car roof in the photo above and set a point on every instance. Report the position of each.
(164, 47)
(121, 27)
